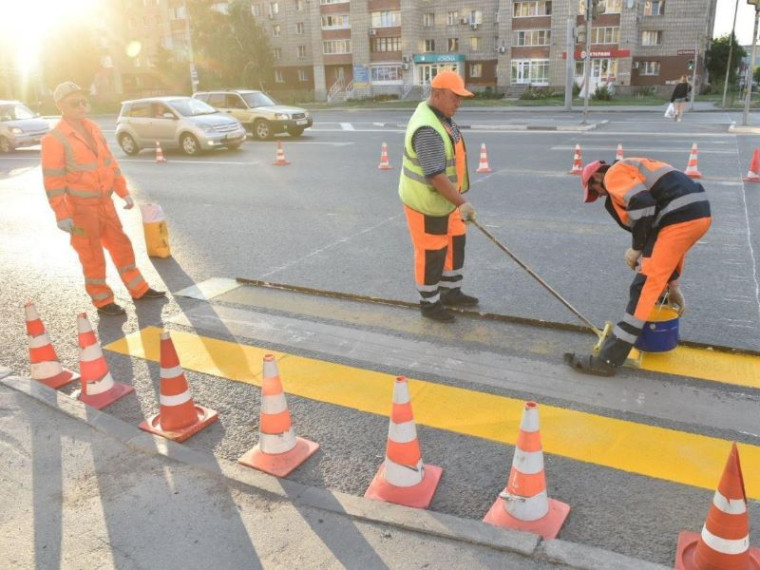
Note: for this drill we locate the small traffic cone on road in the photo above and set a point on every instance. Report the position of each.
(159, 153)
(524, 504)
(179, 417)
(280, 156)
(724, 541)
(483, 166)
(619, 153)
(45, 366)
(385, 163)
(577, 162)
(98, 387)
(691, 169)
(403, 478)
(279, 451)
(753, 175)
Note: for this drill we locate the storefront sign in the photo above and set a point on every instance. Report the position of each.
(361, 76)
(436, 58)
(600, 53)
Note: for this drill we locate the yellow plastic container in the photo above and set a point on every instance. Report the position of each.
(156, 231)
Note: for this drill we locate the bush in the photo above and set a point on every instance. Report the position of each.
(488, 93)
(647, 91)
(538, 93)
(602, 93)
(576, 90)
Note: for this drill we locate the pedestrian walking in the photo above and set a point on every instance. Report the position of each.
(679, 96)
(80, 174)
(667, 213)
(434, 176)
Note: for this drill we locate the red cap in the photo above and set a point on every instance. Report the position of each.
(452, 81)
(588, 171)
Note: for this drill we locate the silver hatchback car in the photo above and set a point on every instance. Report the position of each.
(20, 126)
(176, 122)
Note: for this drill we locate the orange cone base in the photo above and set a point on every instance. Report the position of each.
(65, 377)
(484, 170)
(385, 167)
(687, 547)
(578, 172)
(694, 174)
(280, 464)
(205, 418)
(419, 496)
(548, 526)
(755, 178)
(100, 401)
(281, 163)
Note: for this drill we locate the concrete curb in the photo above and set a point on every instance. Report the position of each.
(748, 130)
(508, 128)
(440, 525)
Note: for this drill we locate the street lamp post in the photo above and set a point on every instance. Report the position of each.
(751, 66)
(730, 53)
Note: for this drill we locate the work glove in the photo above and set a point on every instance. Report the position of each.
(632, 257)
(66, 224)
(128, 202)
(467, 212)
(676, 299)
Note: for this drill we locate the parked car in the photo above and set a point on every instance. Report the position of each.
(20, 126)
(259, 113)
(176, 122)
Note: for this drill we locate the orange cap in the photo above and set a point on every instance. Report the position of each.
(452, 81)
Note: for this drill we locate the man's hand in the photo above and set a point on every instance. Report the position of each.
(676, 298)
(128, 202)
(66, 224)
(467, 212)
(632, 257)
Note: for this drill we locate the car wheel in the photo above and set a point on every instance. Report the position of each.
(128, 145)
(261, 130)
(189, 144)
(5, 145)
(296, 132)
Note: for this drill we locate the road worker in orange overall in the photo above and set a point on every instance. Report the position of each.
(80, 174)
(667, 213)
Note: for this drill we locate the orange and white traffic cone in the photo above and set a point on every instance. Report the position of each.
(724, 541)
(619, 153)
(577, 162)
(159, 154)
(45, 366)
(524, 504)
(279, 451)
(385, 163)
(403, 478)
(483, 166)
(691, 169)
(98, 387)
(753, 175)
(179, 417)
(280, 156)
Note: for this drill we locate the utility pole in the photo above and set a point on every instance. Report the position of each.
(751, 67)
(570, 63)
(694, 75)
(587, 62)
(730, 53)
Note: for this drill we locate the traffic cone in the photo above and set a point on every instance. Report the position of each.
(280, 156)
(385, 163)
(179, 417)
(42, 356)
(98, 387)
(279, 451)
(159, 153)
(619, 153)
(524, 504)
(483, 166)
(403, 478)
(577, 162)
(691, 168)
(724, 541)
(753, 175)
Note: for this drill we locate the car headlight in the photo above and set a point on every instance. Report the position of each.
(16, 131)
(281, 116)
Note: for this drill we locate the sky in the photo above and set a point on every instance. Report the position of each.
(745, 20)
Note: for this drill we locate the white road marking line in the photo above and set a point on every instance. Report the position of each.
(646, 152)
(347, 127)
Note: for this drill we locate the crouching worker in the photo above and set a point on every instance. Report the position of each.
(667, 213)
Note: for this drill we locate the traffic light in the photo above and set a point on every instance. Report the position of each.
(691, 65)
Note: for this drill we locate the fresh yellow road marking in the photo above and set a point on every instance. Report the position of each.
(737, 369)
(637, 448)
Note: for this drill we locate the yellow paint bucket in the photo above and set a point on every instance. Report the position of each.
(660, 332)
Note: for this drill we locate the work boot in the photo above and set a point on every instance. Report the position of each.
(152, 294)
(455, 298)
(437, 312)
(111, 309)
(589, 364)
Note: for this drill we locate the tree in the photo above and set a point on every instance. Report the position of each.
(64, 59)
(717, 59)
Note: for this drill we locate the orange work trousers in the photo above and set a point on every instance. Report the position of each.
(97, 226)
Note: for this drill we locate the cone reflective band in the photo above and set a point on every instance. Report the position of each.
(577, 161)
(483, 166)
(619, 153)
(385, 163)
(280, 156)
(692, 170)
(279, 451)
(159, 153)
(403, 478)
(43, 360)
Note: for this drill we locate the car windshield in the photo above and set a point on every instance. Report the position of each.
(258, 99)
(15, 112)
(191, 107)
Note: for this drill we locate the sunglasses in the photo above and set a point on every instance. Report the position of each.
(78, 103)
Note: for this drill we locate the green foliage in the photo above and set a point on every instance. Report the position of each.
(756, 75)
(576, 90)
(646, 91)
(539, 93)
(64, 59)
(174, 75)
(488, 93)
(717, 58)
(602, 93)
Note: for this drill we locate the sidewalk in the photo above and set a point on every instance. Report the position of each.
(82, 489)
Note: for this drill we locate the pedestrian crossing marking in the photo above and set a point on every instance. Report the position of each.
(652, 451)
(736, 369)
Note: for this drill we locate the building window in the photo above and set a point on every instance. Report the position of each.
(276, 30)
(605, 35)
(299, 28)
(390, 19)
(303, 75)
(453, 44)
(299, 5)
(301, 52)
(452, 18)
(274, 8)
(651, 37)
(323, 2)
(654, 8)
(428, 45)
(331, 47)
(335, 22)
(277, 53)
(385, 44)
(532, 71)
(428, 20)
(527, 9)
(532, 38)
(610, 6)
(649, 68)
(278, 77)
(385, 73)
(476, 17)
(256, 10)
(475, 44)
(476, 70)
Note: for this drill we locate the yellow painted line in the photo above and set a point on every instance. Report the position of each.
(737, 369)
(636, 448)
